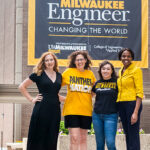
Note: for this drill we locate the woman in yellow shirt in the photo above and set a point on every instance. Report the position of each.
(130, 86)
(78, 104)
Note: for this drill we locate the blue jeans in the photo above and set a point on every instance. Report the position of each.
(105, 127)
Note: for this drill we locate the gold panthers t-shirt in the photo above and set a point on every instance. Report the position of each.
(79, 85)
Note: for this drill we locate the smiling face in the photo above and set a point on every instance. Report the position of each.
(49, 62)
(126, 58)
(80, 62)
(106, 71)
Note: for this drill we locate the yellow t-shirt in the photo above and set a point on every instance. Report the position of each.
(79, 85)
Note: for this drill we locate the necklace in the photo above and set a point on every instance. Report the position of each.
(51, 75)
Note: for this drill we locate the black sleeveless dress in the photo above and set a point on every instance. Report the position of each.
(45, 119)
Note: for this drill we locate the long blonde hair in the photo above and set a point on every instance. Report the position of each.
(39, 68)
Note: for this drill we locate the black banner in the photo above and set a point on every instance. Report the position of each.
(102, 27)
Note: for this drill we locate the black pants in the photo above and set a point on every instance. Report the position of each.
(131, 131)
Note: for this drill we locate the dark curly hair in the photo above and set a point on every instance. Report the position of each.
(113, 75)
(126, 49)
(86, 56)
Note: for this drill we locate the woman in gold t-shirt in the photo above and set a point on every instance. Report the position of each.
(78, 104)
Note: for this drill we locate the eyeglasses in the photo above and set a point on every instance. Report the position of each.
(81, 59)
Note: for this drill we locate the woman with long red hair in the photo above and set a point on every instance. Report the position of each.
(45, 119)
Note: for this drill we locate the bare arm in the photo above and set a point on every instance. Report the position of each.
(61, 98)
(93, 94)
(23, 89)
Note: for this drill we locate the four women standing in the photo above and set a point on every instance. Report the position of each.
(44, 125)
